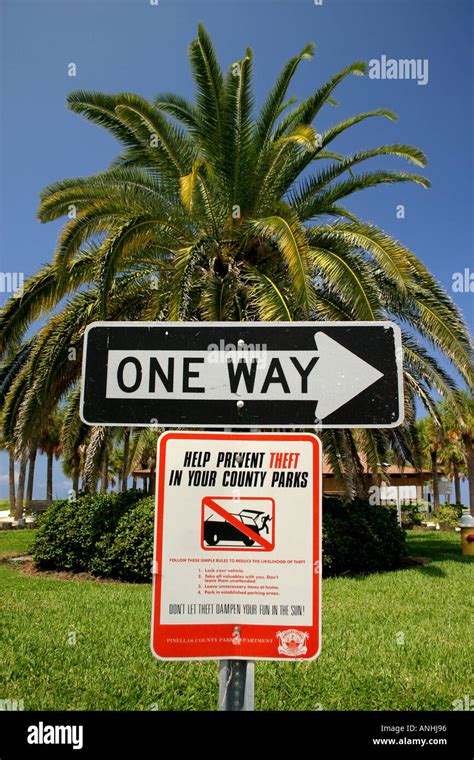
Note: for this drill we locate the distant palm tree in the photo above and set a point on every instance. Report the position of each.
(11, 478)
(125, 459)
(452, 458)
(31, 475)
(8, 447)
(15, 357)
(211, 212)
(431, 436)
(143, 453)
(459, 422)
(110, 465)
(49, 443)
(20, 495)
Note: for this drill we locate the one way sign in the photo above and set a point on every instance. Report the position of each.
(233, 374)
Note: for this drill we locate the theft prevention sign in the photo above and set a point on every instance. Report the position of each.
(237, 556)
(243, 374)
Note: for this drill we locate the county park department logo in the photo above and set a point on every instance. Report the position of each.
(292, 642)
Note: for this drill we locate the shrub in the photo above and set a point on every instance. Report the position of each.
(70, 530)
(411, 515)
(448, 514)
(128, 553)
(360, 537)
(112, 536)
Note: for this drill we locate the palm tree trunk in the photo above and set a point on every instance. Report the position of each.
(21, 487)
(434, 477)
(31, 478)
(126, 449)
(104, 485)
(457, 484)
(49, 477)
(152, 481)
(75, 479)
(11, 479)
(468, 445)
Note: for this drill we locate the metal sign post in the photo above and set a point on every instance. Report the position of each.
(236, 685)
(236, 681)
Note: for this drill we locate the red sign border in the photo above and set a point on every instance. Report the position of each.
(229, 650)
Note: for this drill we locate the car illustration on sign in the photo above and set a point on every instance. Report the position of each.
(228, 523)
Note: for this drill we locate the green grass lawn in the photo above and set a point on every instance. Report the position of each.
(393, 641)
(13, 543)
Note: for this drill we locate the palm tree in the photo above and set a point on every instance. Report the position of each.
(74, 436)
(431, 435)
(452, 459)
(15, 357)
(111, 467)
(125, 460)
(143, 453)
(452, 455)
(4, 446)
(72, 470)
(21, 486)
(11, 478)
(16, 496)
(213, 212)
(31, 476)
(104, 475)
(459, 421)
(466, 429)
(49, 443)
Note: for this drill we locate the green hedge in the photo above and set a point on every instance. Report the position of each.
(111, 535)
(128, 553)
(70, 531)
(359, 537)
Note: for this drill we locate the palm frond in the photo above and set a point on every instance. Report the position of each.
(347, 274)
(271, 301)
(291, 241)
(330, 134)
(342, 189)
(389, 254)
(302, 199)
(153, 129)
(178, 107)
(313, 105)
(209, 81)
(41, 294)
(100, 109)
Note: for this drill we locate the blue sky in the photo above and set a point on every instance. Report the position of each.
(139, 47)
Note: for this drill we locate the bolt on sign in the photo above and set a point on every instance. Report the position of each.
(237, 555)
(243, 375)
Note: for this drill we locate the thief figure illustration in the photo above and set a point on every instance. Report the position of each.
(264, 526)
